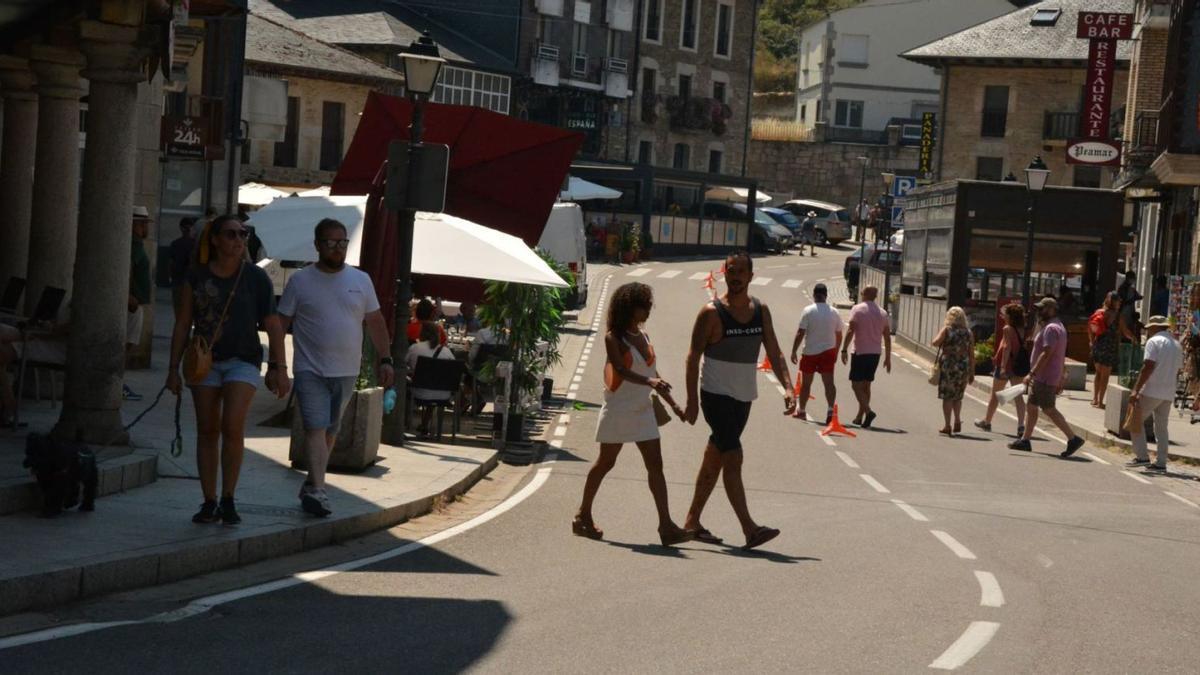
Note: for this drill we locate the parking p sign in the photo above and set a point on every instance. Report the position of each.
(903, 184)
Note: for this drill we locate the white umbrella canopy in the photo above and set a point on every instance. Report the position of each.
(257, 194)
(322, 191)
(732, 194)
(579, 190)
(442, 244)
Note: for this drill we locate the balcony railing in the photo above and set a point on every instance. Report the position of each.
(690, 113)
(1059, 126)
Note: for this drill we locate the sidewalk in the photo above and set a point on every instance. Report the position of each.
(144, 536)
(1088, 422)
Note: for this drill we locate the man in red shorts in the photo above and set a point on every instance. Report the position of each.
(821, 333)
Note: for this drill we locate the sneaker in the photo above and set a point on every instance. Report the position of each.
(129, 394)
(1155, 467)
(1020, 431)
(1020, 444)
(228, 511)
(208, 513)
(315, 502)
(868, 420)
(1135, 462)
(1072, 445)
(305, 488)
(828, 416)
(984, 426)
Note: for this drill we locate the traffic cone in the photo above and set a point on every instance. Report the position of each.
(796, 389)
(765, 366)
(722, 272)
(710, 282)
(835, 427)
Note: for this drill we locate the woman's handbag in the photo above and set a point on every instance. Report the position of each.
(661, 414)
(935, 373)
(197, 357)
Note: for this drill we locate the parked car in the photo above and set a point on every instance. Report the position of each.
(766, 235)
(888, 259)
(833, 220)
(784, 218)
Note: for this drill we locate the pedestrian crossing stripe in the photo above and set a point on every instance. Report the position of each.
(761, 281)
(669, 275)
(639, 273)
(792, 283)
(698, 276)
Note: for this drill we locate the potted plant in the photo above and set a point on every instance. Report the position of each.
(530, 317)
(357, 445)
(627, 242)
(984, 351)
(647, 243)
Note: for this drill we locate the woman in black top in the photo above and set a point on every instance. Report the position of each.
(222, 399)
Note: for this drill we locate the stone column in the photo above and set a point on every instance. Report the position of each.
(16, 165)
(56, 173)
(96, 349)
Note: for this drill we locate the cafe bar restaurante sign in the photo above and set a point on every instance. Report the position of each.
(1101, 30)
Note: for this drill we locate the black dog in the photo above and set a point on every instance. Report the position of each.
(62, 469)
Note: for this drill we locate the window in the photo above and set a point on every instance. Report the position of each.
(685, 86)
(652, 27)
(645, 152)
(682, 156)
(719, 91)
(544, 28)
(817, 118)
(803, 112)
(461, 86)
(989, 168)
(614, 43)
(649, 80)
(853, 50)
(579, 47)
(285, 150)
(1087, 176)
(687, 32)
(724, 37)
(714, 161)
(1045, 17)
(333, 127)
(848, 114)
(995, 111)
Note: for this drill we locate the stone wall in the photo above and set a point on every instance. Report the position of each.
(826, 171)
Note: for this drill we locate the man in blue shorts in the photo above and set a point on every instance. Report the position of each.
(729, 332)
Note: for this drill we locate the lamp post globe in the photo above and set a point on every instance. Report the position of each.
(1036, 174)
(421, 63)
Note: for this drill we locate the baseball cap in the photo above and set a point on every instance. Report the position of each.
(1046, 302)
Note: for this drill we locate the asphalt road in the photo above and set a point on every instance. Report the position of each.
(901, 550)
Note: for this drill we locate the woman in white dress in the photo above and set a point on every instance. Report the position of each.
(628, 413)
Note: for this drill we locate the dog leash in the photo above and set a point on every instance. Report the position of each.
(177, 442)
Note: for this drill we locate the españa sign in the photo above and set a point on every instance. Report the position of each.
(1101, 30)
(925, 164)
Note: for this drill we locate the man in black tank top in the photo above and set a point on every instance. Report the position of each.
(729, 333)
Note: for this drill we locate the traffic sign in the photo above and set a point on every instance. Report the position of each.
(897, 216)
(902, 185)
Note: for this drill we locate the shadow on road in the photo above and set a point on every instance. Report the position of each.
(650, 549)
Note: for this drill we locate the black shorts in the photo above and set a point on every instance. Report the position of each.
(863, 367)
(726, 417)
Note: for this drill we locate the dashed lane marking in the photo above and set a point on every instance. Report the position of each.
(560, 431)
(1094, 458)
(698, 276)
(974, 638)
(792, 283)
(564, 418)
(1176, 497)
(761, 281)
(670, 274)
(827, 440)
(1136, 477)
(872, 482)
(952, 544)
(639, 273)
(912, 512)
(846, 459)
(990, 594)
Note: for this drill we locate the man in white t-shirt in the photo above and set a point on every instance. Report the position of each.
(820, 332)
(326, 305)
(1155, 390)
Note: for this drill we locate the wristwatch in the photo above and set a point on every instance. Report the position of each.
(386, 361)
(275, 365)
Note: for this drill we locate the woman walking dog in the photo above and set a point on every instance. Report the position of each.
(225, 300)
(628, 414)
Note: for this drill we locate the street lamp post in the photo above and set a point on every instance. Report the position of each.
(889, 179)
(1036, 175)
(862, 186)
(421, 64)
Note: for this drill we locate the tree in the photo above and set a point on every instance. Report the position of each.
(779, 26)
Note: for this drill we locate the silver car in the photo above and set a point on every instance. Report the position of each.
(833, 220)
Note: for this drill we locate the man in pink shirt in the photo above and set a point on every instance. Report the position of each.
(871, 334)
(1045, 379)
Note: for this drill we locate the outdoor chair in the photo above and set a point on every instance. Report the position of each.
(45, 314)
(441, 375)
(13, 291)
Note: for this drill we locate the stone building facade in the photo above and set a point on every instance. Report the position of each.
(830, 172)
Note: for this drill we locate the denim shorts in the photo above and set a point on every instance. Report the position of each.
(322, 399)
(231, 370)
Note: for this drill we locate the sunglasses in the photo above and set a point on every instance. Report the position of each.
(235, 233)
(340, 244)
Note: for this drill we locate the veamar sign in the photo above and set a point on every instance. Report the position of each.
(1101, 30)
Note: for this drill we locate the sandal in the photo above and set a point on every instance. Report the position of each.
(676, 536)
(760, 536)
(946, 432)
(701, 534)
(586, 528)
(958, 427)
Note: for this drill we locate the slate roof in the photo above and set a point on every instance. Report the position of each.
(375, 23)
(1010, 37)
(271, 44)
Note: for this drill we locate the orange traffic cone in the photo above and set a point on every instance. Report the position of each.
(835, 427)
(722, 272)
(796, 389)
(765, 365)
(710, 283)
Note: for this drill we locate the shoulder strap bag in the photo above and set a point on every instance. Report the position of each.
(935, 373)
(197, 357)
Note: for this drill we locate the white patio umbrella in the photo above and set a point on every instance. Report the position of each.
(258, 194)
(579, 190)
(322, 191)
(442, 244)
(735, 194)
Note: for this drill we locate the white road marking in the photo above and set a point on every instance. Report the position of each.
(952, 544)
(564, 418)
(792, 283)
(560, 431)
(970, 643)
(781, 390)
(671, 274)
(1174, 496)
(1094, 458)
(912, 512)
(572, 395)
(574, 387)
(845, 458)
(1136, 477)
(577, 378)
(1045, 561)
(202, 605)
(639, 273)
(556, 443)
(771, 378)
(873, 483)
(990, 594)
(826, 440)
(760, 281)
(698, 276)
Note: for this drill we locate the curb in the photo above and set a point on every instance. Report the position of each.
(115, 475)
(160, 565)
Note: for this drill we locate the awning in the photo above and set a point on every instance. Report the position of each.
(257, 194)
(442, 244)
(579, 190)
(735, 194)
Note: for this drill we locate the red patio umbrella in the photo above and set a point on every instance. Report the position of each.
(504, 173)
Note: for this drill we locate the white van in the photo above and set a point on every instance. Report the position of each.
(565, 240)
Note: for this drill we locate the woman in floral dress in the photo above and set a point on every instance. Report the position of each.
(956, 367)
